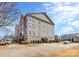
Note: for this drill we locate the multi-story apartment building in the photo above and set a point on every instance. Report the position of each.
(17, 32)
(36, 27)
(71, 37)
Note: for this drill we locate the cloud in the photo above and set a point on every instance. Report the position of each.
(65, 16)
(66, 30)
(75, 23)
(12, 28)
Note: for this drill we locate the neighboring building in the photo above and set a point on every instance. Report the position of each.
(58, 38)
(17, 32)
(71, 37)
(36, 27)
(1, 38)
(8, 39)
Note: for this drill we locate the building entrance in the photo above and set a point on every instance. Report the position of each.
(44, 40)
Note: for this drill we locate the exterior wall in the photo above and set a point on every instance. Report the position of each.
(73, 38)
(58, 38)
(33, 38)
(76, 39)
(17, 31)
(22, 25)
(37, 29)
(32, 27)
(42, 16)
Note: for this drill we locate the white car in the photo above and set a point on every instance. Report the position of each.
(2, 43)
(66, 42)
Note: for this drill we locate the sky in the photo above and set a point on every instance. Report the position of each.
(65, 15)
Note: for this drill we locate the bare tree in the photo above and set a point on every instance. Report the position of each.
(8, 13)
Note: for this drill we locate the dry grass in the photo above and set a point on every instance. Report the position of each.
(70, 52)
(41, 50)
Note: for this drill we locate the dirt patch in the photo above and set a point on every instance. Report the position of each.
(39, 50)
(70, 52)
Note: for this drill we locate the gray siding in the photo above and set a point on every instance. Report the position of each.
(39, 28)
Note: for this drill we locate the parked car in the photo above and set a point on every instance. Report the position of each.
(2, 43)
(66, 42)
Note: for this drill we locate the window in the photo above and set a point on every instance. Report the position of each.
(39, 33)
(33, 26)
(29, 26)
(33, 20)
(29, 32)
(39, 22)
(30, 18)
(33, 33)
(39, 28)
